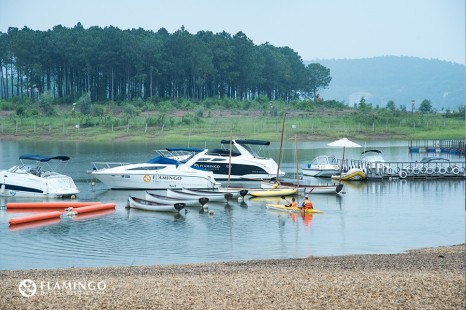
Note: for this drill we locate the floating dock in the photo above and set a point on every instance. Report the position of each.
(416, 170)
(453, 147)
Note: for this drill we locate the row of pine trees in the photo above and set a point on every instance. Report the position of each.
(113, 64)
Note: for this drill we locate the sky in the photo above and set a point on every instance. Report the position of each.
(315, 29)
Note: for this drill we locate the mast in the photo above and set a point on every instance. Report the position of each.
(281, 146)
(229, 159)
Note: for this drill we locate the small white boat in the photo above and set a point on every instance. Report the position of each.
(142, 204)
(194, 202)
(158, 173)
(35, 177)
(183, 193)
(206, 192)
(322, 166)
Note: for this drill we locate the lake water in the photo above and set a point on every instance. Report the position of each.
(369, 217)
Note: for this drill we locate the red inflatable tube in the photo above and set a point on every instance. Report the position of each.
(51, 205)
(98, 207)
(33, 218)
(35, 224)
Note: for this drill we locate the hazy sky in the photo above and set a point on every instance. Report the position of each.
(315, 29)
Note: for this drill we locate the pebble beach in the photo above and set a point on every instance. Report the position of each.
(431, 278)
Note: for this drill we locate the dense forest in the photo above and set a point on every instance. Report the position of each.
(113, 64)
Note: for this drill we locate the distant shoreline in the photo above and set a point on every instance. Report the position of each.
(429, 278)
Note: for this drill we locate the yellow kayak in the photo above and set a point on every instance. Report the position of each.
(273, 192)
(292, 209)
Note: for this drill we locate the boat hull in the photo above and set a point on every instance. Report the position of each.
(183, 194)
(354, 174)
(292, 209)
(146, 205)
(169, 200)
(30, 186)
(273, 192)
(154, 181)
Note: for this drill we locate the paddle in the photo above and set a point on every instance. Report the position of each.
(308, 193)
(283, 197)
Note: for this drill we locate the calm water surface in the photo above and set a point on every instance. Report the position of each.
(369, 217)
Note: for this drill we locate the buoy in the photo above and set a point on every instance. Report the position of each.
(50, 205)
(37, 217)
(92, 208)
(211, 212)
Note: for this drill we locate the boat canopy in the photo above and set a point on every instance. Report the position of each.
(163, 160)
(255, 142)
(375, 151)
(43, 158)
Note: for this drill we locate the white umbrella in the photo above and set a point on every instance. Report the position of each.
(344, 142)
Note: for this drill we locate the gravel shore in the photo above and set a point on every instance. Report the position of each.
(432, 278)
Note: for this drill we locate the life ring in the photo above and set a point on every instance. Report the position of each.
(397, 170)
(462, 170)
(389, 170)
(423, 169)
(455, 170)
(442, 170)
(430, 170)
(416, 170)
(436, 170)
(403, 174)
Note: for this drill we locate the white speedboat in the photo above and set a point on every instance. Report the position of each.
(322, 166)
(246, 162)
(157, 173)
(35, 177)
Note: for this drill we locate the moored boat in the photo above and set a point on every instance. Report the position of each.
(315, 189)
(322, 166)
(35, 177)
(354, 174)
(194, 202)
(157, 173)
(182, 193)
(246, 160)
(273, 192)
(142, 204)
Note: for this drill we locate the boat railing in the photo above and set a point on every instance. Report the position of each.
(96, 166)
(403, 169)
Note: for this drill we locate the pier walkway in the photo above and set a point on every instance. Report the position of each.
(413, 170)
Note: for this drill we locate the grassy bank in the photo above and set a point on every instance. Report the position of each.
(182, 125)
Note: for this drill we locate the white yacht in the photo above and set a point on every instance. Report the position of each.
(35, 177)
(247, 162)
(158, 173)
(322, 166)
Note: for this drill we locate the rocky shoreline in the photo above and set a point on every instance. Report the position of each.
(432, 278)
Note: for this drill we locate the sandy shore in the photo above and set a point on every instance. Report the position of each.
(431, 278)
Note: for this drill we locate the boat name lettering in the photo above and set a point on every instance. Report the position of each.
(215, 167)
(170, 177)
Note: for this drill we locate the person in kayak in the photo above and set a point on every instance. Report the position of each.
(307, 204)
(293, 203)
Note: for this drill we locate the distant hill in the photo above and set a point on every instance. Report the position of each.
(400, 79)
